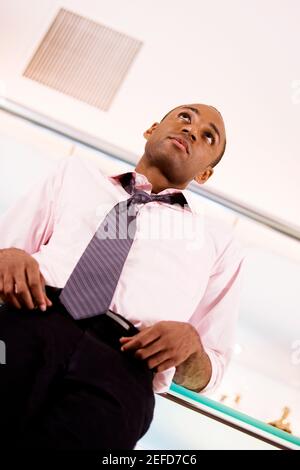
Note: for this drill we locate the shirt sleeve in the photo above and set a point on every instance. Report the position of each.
(29, 222)
(216, 315)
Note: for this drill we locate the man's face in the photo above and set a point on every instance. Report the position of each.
(186, 142)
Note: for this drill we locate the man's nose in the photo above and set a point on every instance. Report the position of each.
(190, 132)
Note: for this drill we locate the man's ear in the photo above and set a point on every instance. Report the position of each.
(203, 177)
(149, 131)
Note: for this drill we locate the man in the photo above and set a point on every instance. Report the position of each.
(95, 321)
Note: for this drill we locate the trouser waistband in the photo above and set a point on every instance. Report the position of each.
(108, 326)
(53, 294)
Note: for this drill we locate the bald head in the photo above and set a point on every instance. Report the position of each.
(185, 145)
(199, 106)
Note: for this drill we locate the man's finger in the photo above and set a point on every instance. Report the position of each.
(158, 359)
(48, 301)
(22, 291)
(125, 339)
(142, 339)
(164, 366)
(150, 350)
(36, 287)
(8, 291)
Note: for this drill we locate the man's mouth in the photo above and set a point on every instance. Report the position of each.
(181, 143)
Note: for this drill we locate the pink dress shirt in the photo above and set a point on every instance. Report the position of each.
(182, 266)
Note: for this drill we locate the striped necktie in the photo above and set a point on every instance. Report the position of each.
(91, 286)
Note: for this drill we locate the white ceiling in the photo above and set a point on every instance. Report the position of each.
(241, 56)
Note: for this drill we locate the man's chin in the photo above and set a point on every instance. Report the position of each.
(171, 167)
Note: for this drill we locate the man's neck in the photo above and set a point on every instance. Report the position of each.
(155, 177)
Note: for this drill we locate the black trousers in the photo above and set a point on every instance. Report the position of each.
(66, 385)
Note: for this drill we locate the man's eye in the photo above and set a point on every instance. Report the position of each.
(185, 116)
(209, 138)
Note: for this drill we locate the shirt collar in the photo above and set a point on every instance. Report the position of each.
(141, 182)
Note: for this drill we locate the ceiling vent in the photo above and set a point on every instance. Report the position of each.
(83, 59)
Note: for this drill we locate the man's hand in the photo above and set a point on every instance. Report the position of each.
(21, 283)
(164, 345)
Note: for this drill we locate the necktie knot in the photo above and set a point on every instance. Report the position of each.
(172, 198)
(141, 197)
